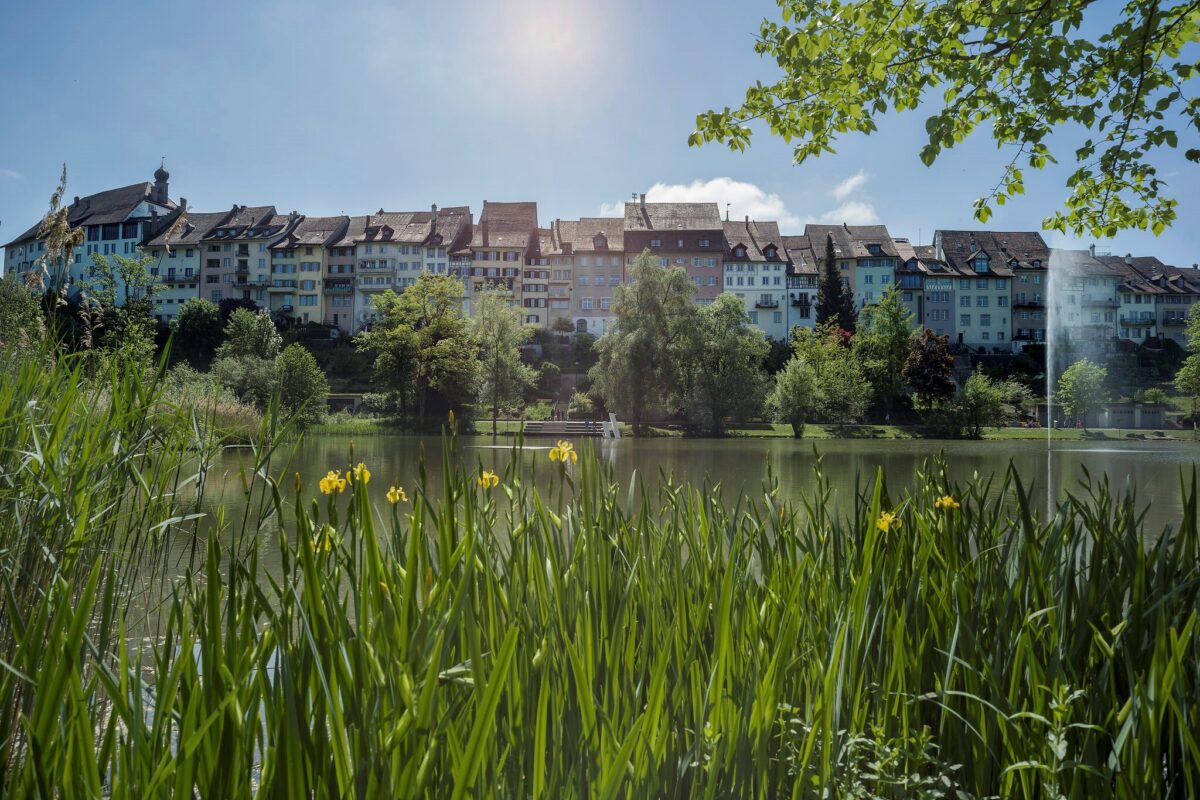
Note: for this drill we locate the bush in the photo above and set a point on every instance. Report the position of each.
(251, 379)
(303, 389)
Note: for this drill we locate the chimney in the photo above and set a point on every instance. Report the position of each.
(183, 204)
(1129, 259)
(642, 202)
(747, 219)
(1092, 250)
(483, 224)
(76, 201)
(433, 213)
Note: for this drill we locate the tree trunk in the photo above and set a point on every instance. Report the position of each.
(797, 430)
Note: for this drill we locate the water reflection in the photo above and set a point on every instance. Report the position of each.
(1151, 468)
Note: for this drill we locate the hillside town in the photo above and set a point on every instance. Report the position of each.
(987, 291)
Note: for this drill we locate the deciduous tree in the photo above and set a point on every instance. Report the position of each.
(197, 329)
(302, 386)
(929, 369)
(1026, 70)
(498, 329)
(983, 402)
(881, 344)
(638, 359)
(423, 345)
(250, 333)
(1081, 389)
(723, 377)
(793, 398)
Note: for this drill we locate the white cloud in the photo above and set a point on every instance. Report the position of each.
(853, 212)
(744, 199)
(10, 174)
(850, 185)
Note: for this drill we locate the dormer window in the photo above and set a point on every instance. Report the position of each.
(704, 243)
(874, 249)
(1037, 263)
(981, 264)
(739, 251)
(769, 251)
(600, 242)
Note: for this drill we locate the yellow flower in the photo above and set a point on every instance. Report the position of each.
(361, 473)
(489, 479)
(333, 482)
(396, 495)
(564, 452)
(887, 521)
(383, 587)
(947, 502)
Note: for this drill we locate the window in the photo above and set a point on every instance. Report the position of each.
(981, 301)
(1002, 301)
(586, 304)
(583, 280)
(656, 242)
(985, 336)
(777, 317)
(308, 299)
(704, 243)
(908, 296)
(605, 303)
(964, 301)
(981, 283)
(964, 320)
(679, 243)
(985, 319)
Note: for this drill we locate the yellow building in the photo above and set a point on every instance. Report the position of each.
(298, 261)
(503, 242)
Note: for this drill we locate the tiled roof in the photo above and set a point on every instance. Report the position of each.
(453, 226)
(755, 237)
(313, 231)
(851, 241)
(587, 229)
(800, 253)
(672, 217)
(355, 229)
(1081, 263)
(506, 225)
(113, 205)
(1002, 247)
(249, 222)
(926, 255)
(194, 228)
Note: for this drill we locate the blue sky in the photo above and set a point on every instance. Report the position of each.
(350, 106)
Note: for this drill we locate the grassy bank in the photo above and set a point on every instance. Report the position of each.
(639, 640)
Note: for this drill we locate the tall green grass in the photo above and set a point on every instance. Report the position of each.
(593, 640)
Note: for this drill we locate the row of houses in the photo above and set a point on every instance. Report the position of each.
(984, 289)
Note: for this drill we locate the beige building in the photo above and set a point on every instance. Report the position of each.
(505, 239)
(237, 256)
(597, 249)
(298, 264)
(176, 259)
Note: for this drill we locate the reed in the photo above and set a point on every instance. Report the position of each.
(592, 640)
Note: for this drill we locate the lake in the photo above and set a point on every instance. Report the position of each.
(740, 465)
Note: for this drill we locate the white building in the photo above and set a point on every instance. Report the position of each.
(115, 222)
(756, 270)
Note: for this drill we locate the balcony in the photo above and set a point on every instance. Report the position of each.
(1175, 320)
(375, 267)
(802, 304)
(1020, 303)
(282, 286)
(1136, 322)
(180, 279)
(766, 304)
(1100, 302)
(243, 251)
(338, 288)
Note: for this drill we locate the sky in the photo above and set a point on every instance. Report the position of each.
(349, 106)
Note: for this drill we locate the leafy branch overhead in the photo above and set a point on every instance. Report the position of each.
(1030, 67)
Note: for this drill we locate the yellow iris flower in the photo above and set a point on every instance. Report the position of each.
(489, 479)
(361, 473)
(947, 502)
(888, 521)
(396, 495)
(333, 483)
(564, 452)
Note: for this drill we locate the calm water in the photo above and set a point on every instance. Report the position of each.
(1151, 468)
